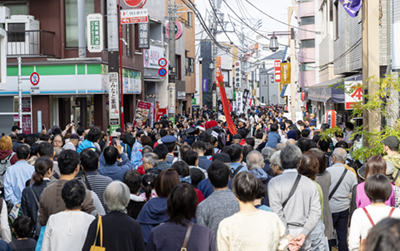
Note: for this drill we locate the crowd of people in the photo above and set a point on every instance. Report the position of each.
(276, 184)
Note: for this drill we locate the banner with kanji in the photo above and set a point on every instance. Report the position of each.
(353, 94)
(229, 121)
(142, 113)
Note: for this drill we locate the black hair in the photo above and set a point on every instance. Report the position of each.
(30, 140)
(259, 134)
(304, 144)
(204, 137)
(235, 152)
(350, 125)
(378, 188)
(218, 173)
(190, 157)
(22, 226)
(242, 133)
(94, 134)
(163, 133)
(196, 175)
(23, 152)
(274, 128)
(42, 165)
(133, 180)
(182, 204)
(44, 137)
(209, 149)
(161, 151)
(46, 150)
(289, 122)
(68, 161)
(80, 131)
(246, 150)
(305, 133)
(341, 144)
(384, 236)
(110, 155)
(139, 134)
(262, 190)
(149, 183)
(89, 160)
(73, 193)
(170, 146)
(250, 141)
(21, 136)
(199, 145)
(245, 186)
(324, 126)
(324, 145)
(182, 168)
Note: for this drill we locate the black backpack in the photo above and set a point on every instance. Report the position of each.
(233, 174)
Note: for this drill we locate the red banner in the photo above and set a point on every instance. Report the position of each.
(160, 113)
(229, 121)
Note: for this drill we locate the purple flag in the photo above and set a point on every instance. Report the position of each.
(204, 85)
(352, 7)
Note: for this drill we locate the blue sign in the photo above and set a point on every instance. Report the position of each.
(162, 72)
(352, 7)
(204, 85)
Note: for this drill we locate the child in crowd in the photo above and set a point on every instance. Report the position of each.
(148, 184)
(22, 228)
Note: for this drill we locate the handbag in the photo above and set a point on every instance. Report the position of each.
(187, 236)
(99, 227)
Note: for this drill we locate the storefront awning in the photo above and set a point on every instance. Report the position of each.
(327, 90)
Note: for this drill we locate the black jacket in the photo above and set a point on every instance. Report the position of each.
(28, 204)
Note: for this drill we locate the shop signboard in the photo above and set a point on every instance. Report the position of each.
(142, 113)
(160, 113)
(152, 56)
(238, 74)
(277, 66)
(113, 98)
(134, 16)
(354, 94)
(144, 36)
(95, 33)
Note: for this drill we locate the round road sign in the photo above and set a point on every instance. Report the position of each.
(35, 78)
(137, 4)
(162, 72)
(162, 62)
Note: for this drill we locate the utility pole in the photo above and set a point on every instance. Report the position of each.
(172, 62)
(292, 75)
(370, 48)
(214, 26)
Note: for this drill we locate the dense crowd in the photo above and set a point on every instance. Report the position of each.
(276, 184)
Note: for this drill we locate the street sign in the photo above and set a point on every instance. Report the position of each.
(134, 16)
(113, 98)
(135, 3)
(162, 62)
(35, 90)
(355, 95)
(95, 33)
(34, 78)
(178, 29)
(277, 65)
(162, 72)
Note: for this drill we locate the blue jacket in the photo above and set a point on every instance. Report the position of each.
(273, 139)
(115, 171)
(86, 144)
(204, 162)
(153, 213)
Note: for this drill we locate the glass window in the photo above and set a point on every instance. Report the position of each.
(308, 67)
(16, 36)
(190, 18)
(309, 43)
(17, 9)
(71, 21)
(307, 21)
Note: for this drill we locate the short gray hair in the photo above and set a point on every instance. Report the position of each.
(290, 157)
(152, 158)
(254, 160)
(267, 153)
(276, 159)
(340, 154)
(116, 196)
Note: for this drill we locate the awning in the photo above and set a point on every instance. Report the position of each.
(327, 90)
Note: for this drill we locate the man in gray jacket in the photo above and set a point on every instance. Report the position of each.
(301, 212)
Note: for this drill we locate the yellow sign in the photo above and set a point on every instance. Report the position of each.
(285, 73)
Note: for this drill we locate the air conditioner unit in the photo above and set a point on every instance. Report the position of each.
(23, 36)
(4, 14)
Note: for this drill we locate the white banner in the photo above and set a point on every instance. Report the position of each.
(239, 102)
(113, 98)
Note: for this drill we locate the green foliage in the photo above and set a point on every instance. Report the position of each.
(378, 105)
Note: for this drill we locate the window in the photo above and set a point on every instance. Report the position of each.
(190, 19)
(308, 43)
(178, 67)
(336, 18)
(16, 36)
(307, 67)
(17, 9)
(71, 21)
(307, 21)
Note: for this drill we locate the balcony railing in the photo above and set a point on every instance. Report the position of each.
(30, 43)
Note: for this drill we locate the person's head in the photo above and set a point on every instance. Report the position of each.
(73, 193)
(308, 165)
(89, 160)
(325, 145)
(148, 184)
(378, 188)
(321, 159)
(199, 147)
(30, 140)
(254, 160)
(80, 131)
(267, 153)
(204, 137)
(242, 133)
(304, 144)
(23, 152)
(305, 133)
(133, 180)
(391, 145)
(22, 226)
(349, 126)
(276, 164)
(250, 141)
(290, 157)
(43, 169)
(246, 149)
(191, 158)
(150, 160)
(116, 196)
(161, 151)
(274, 128)
(5, 143)
(235, 152)
(280, 146)
(218, 174)
(146, 141)
(128, 127)
(58, 141)
(236, 138)
(339, 156)
(68, 162)
(94, 134)
(110, 155)
(184, 149)
(46, 150)
(384, 236)
(339, 135)
(182, 168)
(147, 149)
(245, 187)
(324, 126)
(44, 137)
(166, 181)
(375, 165)
(182, 204)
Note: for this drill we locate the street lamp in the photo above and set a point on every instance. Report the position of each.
(211, 67)
(273, 43)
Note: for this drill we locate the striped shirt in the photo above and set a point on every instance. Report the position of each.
(98, 184)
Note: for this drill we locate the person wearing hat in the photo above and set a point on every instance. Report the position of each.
(169, 142)
(16, 129)
(391, 147)
(191, 135)
(72, 143)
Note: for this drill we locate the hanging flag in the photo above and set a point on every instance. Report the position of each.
(352, 7)
(229, 121)
(230, 106)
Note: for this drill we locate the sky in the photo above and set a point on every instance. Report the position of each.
(276, 8)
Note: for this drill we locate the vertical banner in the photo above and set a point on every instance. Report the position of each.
(94, 32)
(238, 74)
(142, 113)
(144, 36)
(204, 85)
(285, 73)
(277, 66)
(113, 98)
(229, 121)
(246, 100)
(220, 108)
(171, 98)
(234, 107)
(239, 103)
(151, 115)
